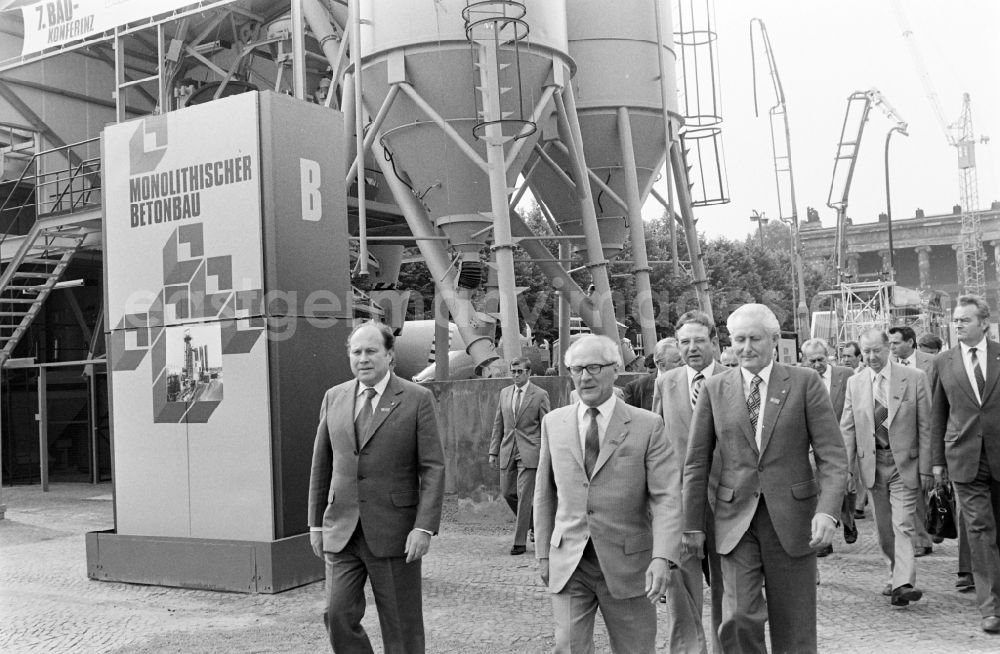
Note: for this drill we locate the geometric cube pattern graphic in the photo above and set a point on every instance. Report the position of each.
(184, 296)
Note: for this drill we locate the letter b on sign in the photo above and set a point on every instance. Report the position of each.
(309, 181)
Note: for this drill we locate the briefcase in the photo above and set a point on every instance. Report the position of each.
(941, 512)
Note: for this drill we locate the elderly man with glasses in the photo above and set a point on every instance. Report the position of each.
(514, 445)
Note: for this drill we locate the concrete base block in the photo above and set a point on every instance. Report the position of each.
(227, 565)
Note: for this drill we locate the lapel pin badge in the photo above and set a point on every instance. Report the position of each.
(775, 400)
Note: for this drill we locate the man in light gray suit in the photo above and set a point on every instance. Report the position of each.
(607, 510)
(772, 511)
(514, 445)
(677, 393)
(886, 421)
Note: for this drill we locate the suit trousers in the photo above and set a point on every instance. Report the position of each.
(398, 598)
(895, 512)
(790, 607)
(685, 597)
(631, 622)
(517, 485)
(979, 502)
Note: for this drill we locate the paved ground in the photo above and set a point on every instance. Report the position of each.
(478, 599)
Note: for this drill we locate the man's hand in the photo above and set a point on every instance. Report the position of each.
(543, 570)
(417, 544)
(316, 540)
(693, 544)
(927, 483)
(656, 579)
(493, 461)
(823, 529)
(940, 475)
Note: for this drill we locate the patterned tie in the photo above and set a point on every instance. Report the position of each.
(593, 442)
(364, 417)
(881, 413)
(903, 362)
(696, 383)
(517, 401)
(978, 372)
(753, 402)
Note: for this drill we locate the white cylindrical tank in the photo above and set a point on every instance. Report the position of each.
(616, 56)
(424, 42)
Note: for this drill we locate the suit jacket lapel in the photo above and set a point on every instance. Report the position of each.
(837, 389)
(389, 401)
(342, 431)
(572, 431)
(613, 436)
(864, 409)
(992, 368)
(770, 407)
(683, 394)
(958, 369)
(738, 401)
(897, 391)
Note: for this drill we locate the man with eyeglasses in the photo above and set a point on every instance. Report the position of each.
(514, 445)
(677, 394)
(965, 439)
(816, 355)
(607, 508)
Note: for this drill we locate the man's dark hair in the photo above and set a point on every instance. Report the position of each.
(698, 318)
(930, 341)
(855, 348)
(388, 338)
(906, 333)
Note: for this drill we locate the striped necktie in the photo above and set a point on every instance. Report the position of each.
(753, 402)
(592, 442)
(977, 372)
(696, 383)
(364, 418)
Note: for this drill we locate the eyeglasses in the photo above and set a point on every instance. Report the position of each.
(593, 369)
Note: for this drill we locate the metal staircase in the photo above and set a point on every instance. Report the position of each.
(65, 208)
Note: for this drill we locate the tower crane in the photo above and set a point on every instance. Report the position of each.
(961, 136)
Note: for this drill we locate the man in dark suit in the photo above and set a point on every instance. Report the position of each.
(965, 435)
(375, 496)
(677, 393)
(607, 510)
(886, 421)
(639, 392)
(514, 445)
(816, 355)
(903, 345)
(771, 512)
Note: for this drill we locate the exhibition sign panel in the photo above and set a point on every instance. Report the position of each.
(49, 23)
(185, 306)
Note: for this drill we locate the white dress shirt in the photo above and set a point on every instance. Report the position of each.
(605, 409)
(911, 361)
(765, 376)
(827, 378)
(967, 362)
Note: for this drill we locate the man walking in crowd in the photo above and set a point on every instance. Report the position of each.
(903, 345)
(677, 394)
(965, 432)
(850, 355)
(667, 357)
(514, 445)
(771, 512)
(816, 355)
(886, 421)
(639, 392)
(929, 344)
(375, 495)
(607, 510)
(728, 358)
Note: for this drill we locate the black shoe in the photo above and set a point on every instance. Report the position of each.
(850, 534)
(663, 599)
(965, 583)
(859, 514)
(518, 549)
(905, 594)
(922, 551)
(991, 625)
(937, 540)
(826, 551)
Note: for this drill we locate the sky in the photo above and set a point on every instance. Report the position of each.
(824, 51)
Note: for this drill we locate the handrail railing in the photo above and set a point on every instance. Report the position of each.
(72, 186)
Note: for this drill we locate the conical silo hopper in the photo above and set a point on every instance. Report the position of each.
(423, 44)
(621, 114)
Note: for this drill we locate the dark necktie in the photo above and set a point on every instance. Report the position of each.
(881, 414)
(903, 362)
(696, 383)
(364, 417)
(517, 401)
(593, 442)
(977, 371)
(753, 402)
